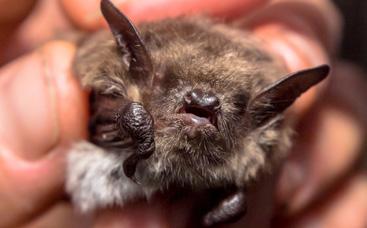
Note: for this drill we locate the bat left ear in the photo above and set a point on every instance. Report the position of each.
(129, 42)
(277, 97)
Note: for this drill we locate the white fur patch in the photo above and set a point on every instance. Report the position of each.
(95, 178)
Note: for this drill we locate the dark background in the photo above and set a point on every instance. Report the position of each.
(354, 45)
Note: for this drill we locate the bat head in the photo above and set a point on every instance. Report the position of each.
(208, 90)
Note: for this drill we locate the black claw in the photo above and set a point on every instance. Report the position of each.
(130, 165)
(230, 209)
(138, 122)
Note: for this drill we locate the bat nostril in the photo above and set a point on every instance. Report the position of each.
(201, 104)
(201, 99)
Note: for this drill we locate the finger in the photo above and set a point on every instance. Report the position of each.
(300, 33)
(87, 14)
(35, 30)
(298, 49)
(328, 146)
(60, 215)
(320, 18)
(12, 12)
(346, 207)
(42, 108)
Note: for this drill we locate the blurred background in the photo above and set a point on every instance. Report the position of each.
(354, 45)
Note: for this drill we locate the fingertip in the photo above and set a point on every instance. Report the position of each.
(84, 14)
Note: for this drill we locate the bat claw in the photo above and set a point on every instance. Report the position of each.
(129, 166)
(230, 209)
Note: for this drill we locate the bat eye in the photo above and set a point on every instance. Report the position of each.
(200, 99)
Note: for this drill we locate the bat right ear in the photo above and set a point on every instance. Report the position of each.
(277, 97)
(128, 40)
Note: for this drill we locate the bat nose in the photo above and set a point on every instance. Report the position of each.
(199, 98)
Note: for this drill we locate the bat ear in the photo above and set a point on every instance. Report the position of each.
(277, 97)
(128, 40)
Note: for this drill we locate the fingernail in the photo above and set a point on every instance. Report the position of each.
(27, 107)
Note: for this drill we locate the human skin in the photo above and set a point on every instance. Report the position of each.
(43, 109)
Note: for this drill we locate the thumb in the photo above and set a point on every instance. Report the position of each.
(42, 108)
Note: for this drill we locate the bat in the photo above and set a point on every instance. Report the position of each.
(180, 103)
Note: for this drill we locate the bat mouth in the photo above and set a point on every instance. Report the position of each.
(198, 115)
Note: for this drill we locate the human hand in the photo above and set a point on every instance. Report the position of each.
(41, 198)
(324, 183)
(42, 109)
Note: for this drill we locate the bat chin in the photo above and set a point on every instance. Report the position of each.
(192, 139)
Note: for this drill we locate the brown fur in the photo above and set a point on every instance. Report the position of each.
(189, 53)
(192, 53)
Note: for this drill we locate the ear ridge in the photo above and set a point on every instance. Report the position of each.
(127, 37)
(278, 96)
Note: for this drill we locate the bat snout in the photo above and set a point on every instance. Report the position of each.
(205, 100)
(202, 105)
